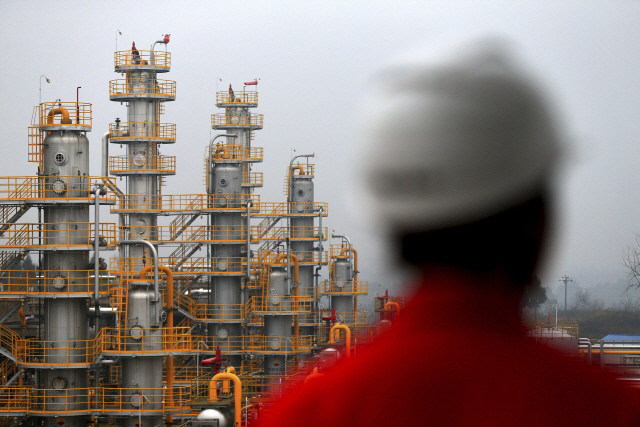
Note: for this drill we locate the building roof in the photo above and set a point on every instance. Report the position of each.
(621, 337)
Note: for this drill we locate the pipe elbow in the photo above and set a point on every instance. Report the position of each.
(62, 111)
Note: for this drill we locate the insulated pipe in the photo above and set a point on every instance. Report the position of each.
(347, 337)
(60, 110)
(312, 375)
(320, 237)
(237, 393)
(249, 206)
(105, 154)
(210, 155)
(154, 253)
(97, 191)
(394, 304)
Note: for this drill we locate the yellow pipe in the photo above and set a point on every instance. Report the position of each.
(312, 375)
(347, 338)
(60, 110)
(225, 153)
(226, 384)
(298, 167)
(395, 304)
(237, 393)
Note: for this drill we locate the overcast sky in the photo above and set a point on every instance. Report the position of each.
(314, 60)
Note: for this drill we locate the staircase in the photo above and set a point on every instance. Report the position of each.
(180, 223)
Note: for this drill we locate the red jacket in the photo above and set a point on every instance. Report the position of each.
(458, 356)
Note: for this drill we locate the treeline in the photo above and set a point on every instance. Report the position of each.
(595, 318)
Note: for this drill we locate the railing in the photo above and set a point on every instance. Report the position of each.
(123, 88)
(144, 58)
(279, 345)
(294, 232)
(51, 282)
(234, 119)
(141, 130)
(344, 287)
(15, 399)
(35, 146)
(186, 202)
(349, 317)
(188, 265)
(232, 97)
(304, 257)
(277, 305)
(143, 340)
(252, 179)
(56, 353)
(237, 152)
(292, 208)
(191, 233)
(220, 312)
(56, 188)
(305, 170)
(59, 234)
(380, 301)
(65, 114)
(9, 340)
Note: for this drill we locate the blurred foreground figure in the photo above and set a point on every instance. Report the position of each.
(462, 151)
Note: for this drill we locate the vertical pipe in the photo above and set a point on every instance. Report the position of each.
(105, 154)
(154, 254)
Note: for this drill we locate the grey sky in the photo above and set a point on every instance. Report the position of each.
(314, 59)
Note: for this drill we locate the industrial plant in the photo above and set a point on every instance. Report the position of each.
(211, 306)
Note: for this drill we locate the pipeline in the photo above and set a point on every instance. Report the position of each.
(395, 304)
(237, 393)
(60, 110)
(23, 318)
(225, 153)
(347, 337)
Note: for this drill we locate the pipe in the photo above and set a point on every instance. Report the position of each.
(225, 153)
(299, 168)
(395, 304)
(226, 385)
(347, 338)
(355, 276)
(23, 318)
(237, 393)
(105, 154)
(314, 374)
(60, 110)
(290, 173)
(154, 253)
(588, 342)
(249, 206)
(602, 353)
(210, 155)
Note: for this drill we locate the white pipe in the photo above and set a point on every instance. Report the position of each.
(249, 206)
(154, 253)
(588, 342)
(105, 154)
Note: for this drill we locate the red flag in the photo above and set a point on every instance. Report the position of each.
(253, 83)
(166, 38)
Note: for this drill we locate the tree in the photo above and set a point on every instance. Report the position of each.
(631, 261)
(534, 295)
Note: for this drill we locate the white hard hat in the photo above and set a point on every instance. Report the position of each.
(455, 138)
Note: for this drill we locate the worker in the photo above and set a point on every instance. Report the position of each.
(462, 151)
